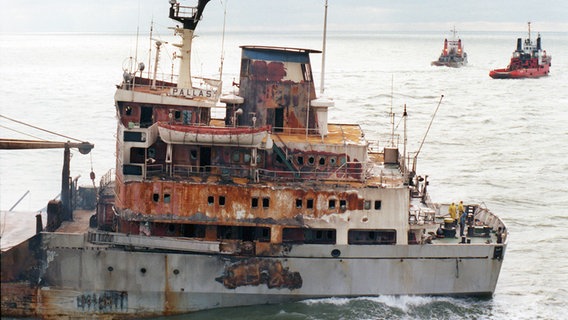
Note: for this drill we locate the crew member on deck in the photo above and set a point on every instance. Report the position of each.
(452, 211)
(463, 217)
(460, 208)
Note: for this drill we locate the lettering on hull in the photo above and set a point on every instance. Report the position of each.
(256, 272)
(106, 301)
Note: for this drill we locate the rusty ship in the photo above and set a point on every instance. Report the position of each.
(269, 203)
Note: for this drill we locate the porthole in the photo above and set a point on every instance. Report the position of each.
(176, 271)
(335, 253)
(311, 160)
(110, 269)
(321, 161)
(332, 161)
(143, 270)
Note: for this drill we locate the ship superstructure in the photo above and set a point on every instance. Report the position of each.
(268, 204)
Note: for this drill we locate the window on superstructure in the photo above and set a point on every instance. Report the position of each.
(367, 205)
(177, 115)
(332, 204)
(311, 160)
(221, 200)
(246, 157)
(300, 160)
(362, 236)
(322, 161)
(320, 236)
(343, 204)
(128, 110)
(167, 198)
(298, 203)
(310, 203)
(332, 161)
(265, 202)
(156, 197)
(210, 200)
(254, 202)
(306, 72)
(236, 157)
(378, 204)
(193, 154)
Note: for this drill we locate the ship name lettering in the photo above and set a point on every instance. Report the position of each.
(190, 92)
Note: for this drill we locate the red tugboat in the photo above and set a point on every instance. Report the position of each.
(528, 61)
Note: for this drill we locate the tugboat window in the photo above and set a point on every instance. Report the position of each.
(254, 202)
(156, 197)
(300, 160)
(310, 203)
(210, 200)
(298, 203)
(167, 198)
(367, 205)
(322, 161)
(221, 200)
(343, 204)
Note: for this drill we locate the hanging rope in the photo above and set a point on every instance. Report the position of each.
(38, 128)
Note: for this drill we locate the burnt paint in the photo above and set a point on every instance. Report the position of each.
(256, 272)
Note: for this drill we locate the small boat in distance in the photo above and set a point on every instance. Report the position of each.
(453, 54)
(528, 61)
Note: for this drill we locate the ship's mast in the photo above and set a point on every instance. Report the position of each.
(189, 16)
(322, 87)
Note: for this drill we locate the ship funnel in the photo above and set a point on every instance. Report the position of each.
(519, 44)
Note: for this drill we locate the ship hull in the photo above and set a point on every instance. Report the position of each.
(519, 73)
(78, 279)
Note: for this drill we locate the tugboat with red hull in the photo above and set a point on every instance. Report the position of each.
(528, 61)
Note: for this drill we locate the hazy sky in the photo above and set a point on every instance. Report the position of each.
(123, 16)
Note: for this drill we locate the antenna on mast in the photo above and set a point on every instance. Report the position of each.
(322, 87)
(392, 113)
(223, 42)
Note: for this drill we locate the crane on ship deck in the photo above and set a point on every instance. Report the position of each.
(83, 147)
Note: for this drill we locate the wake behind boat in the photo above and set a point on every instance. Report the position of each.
(269, 204)
(453, 54)
(528, 61)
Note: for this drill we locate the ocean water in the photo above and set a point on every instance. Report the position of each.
(503, 143)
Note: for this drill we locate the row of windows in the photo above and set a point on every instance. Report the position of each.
(290, 235)
(256, 202)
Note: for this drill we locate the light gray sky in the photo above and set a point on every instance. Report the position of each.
(123, 16)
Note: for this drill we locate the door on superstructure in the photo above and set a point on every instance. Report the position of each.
(146, 117)
(205, 159)
(279, 119)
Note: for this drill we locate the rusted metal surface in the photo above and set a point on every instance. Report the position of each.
(256, 272)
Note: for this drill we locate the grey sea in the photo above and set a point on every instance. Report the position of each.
(503, 143)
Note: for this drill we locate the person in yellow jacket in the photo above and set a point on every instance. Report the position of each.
(453, 212)
(460, 208)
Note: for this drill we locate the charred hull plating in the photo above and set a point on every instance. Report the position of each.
(269, 204)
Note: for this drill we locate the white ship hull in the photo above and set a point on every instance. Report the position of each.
(83, 279)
